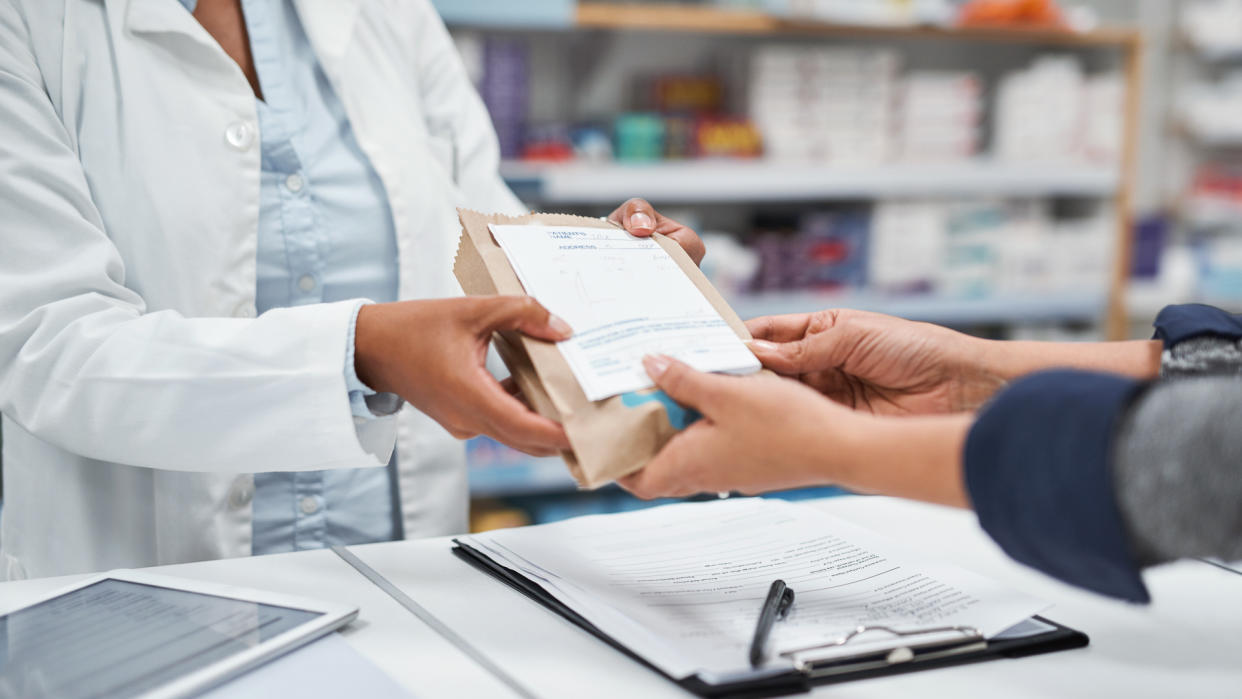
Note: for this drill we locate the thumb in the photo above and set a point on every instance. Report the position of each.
(636, 216)
(694, 389)
(524, 314)
(796, 357)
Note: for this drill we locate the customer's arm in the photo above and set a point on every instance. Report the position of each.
(890, 366)
(1065, 468)
(1086, 476)
(1035, 464)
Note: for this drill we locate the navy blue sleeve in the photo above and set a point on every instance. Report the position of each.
(1187, 321)
(1038, 466)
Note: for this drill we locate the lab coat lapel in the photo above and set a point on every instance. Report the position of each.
(159, 17)
(329, 24)
(166, 23)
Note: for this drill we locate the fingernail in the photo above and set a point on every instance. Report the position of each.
(656, 364)
(762, 345)
(641, 221)
(559, 325)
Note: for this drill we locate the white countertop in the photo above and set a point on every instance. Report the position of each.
(1188, 642)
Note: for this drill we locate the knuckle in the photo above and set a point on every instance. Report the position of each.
(830, 318)
(527, 307)
(798, 353)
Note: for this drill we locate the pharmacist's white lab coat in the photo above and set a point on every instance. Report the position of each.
(138, 389)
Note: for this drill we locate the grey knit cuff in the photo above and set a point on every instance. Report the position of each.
(1177, 470)
(1202, 356)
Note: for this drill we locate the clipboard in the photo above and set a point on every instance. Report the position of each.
(917, 655)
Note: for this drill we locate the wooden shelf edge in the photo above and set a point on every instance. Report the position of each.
(689, 18)
(664, 17)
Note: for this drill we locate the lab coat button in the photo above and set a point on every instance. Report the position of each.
(309, 505)
(241, 494)
(240, 135)
(244, 311)
(306, 283)
(294, 183)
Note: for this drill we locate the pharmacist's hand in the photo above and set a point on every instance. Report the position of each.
(757, 433)
(637, 217)
(877, 363)
(432, 354)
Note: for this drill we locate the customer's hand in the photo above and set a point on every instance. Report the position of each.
(757, 433)
(877, 363)
(762, 433)
(637, 217)
(432, 353)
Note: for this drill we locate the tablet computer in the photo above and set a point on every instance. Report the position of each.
(129, 633)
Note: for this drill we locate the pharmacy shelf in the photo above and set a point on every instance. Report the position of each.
(677, 17)
(1208, 212)
(1209, 52)
(1210, 137)
(1218, 54)
(715, 181)
(701, 19)
(506, 14)
(998, 309)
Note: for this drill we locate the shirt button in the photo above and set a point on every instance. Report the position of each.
(309, 505)
(240, 135)
(306, 283)
(295, 183)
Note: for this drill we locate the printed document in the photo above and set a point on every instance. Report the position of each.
(624, 297)
(682, 585)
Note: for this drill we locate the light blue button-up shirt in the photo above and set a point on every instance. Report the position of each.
(325, 234)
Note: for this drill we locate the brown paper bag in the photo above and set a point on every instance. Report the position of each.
(612, 437)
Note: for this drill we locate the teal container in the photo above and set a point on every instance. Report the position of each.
(639, 137)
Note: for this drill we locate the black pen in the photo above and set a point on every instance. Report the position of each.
(776, 606)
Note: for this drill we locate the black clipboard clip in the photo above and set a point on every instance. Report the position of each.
(967, 639)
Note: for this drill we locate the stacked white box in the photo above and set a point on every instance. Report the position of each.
(985, 247)
(1054, 112)
(1082, 251)
(906, 245)
(1210, 109)
(938, 116)
(1104, 104)
(823, 104)
(1039, 112)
